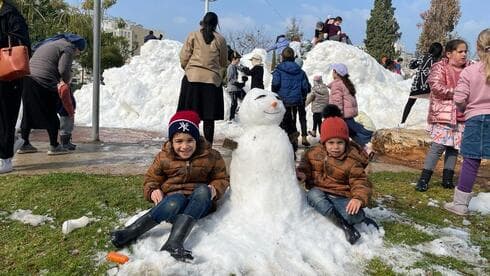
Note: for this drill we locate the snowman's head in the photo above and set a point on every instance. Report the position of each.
(261, 107)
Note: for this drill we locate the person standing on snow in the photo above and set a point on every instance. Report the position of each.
(324, 168)
(420, 87)
(12, 26)
(445, 122)
(203, 55)
(149, 36)
(291, 83)
(295, 44)
(184, 182)
(343, 95)
(50, 69)
(318, 99)
(256, 73)
(281, 43)
(233, 87)
(472, 94)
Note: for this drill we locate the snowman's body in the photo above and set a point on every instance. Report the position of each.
(262, 169)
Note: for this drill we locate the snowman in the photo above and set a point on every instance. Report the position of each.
(263, 164)
(264, 225)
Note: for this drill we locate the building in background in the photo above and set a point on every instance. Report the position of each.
(133, 32)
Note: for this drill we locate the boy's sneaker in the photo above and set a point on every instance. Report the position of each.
(18, 143)
(6, 165)
(59, 149)
(27, 148)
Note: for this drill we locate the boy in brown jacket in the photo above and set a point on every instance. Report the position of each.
(334, 172)
(185, 180)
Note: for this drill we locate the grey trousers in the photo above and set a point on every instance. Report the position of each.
(435, 152)
(66, 125)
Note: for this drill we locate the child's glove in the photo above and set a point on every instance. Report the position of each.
(244, 79)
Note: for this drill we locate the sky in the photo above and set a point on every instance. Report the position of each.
(177, 18)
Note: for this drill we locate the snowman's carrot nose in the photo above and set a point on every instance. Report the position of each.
(274, 104)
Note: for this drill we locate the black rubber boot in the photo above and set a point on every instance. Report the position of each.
(123, 237)
(423, 183)
(447, 179)
(370, 221)
(66, 142)
(175, 244)
(351, 233)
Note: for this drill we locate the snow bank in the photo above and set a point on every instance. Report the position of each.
(480, 203)
(144, 93)
(26, 217)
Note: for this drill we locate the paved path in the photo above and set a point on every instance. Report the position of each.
(130, 152)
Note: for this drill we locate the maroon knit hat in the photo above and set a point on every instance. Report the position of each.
(185, 121)
(334, 127)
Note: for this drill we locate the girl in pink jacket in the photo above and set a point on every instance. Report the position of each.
(343, 95)
(473, 96)
(445, 123)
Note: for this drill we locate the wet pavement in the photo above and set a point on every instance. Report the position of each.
(130, 152)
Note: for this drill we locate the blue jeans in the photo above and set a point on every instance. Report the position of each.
(196, 205)
(357, 132)
(325, 203)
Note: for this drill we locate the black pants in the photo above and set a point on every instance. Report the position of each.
(301, 111)
(10, 95)
(209, 130)
(288, 123)
(52, 133)
(408, 107)
(234, 103)
(317, 121)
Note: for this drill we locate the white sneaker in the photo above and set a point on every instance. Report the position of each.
(6, 165)
(18, 144)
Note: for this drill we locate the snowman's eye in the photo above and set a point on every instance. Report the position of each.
(277, 97)
(260, 96)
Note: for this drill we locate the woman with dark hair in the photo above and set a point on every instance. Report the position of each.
(12, 26)
(203, 55)
(445, 121)
(420, 87)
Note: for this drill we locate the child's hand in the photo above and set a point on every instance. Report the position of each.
(300, 176)
(213, 191)
(353, 206)
(156, 196)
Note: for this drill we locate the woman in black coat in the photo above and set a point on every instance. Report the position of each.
(420, 87)
(13, 25)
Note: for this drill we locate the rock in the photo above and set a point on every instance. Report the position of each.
(403, 144)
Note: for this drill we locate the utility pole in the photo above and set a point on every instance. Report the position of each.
(96, 71)
(206, 5)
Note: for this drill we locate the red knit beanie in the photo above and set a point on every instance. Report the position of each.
(186, 121)
(334, 127)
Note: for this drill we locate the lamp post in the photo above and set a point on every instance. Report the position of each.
(96, 71)
(206, 5)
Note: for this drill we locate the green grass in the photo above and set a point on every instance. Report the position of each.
(28, 250)
(413, 206)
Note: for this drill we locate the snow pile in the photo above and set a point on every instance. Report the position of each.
(480, 203)
(26, 217)
(381, 94)
(265, 226)
(144, 93)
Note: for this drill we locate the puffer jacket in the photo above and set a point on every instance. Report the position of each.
(341, 97)
(279, 46)
(343, 176)
(318, 98)
(203, 62)
(171, 174)
(443, 78)
(291, 83)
